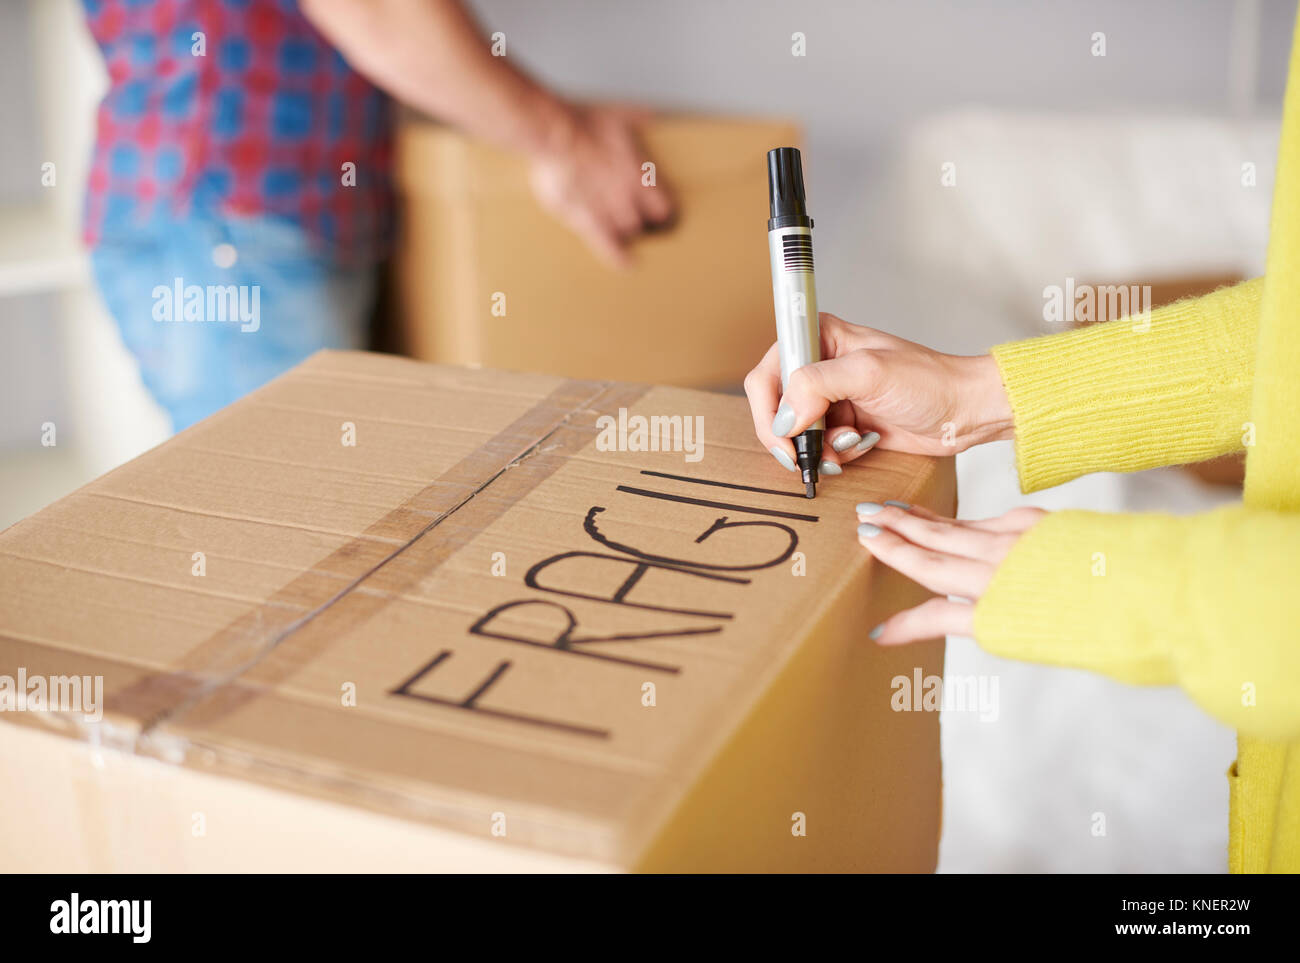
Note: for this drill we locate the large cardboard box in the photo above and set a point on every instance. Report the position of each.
(486, 276)
(381, 614)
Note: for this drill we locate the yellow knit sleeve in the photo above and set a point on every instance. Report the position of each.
(1206, 602)
(1135, 393)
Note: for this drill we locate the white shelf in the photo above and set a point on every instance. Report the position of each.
(39, 252)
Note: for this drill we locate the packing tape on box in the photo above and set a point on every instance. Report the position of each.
(217, 676)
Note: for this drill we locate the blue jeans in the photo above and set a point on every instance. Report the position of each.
(206, 334)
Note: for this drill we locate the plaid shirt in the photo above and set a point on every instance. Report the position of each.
(261, 119)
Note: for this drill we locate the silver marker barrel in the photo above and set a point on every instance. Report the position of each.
(794, 292)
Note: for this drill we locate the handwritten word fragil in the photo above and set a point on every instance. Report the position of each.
(572, 642)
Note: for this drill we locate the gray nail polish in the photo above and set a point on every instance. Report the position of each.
(868, 441)
(783, 421)
(867, 530)
(903, 505)
(846, 441)
(829, 468)
(876, 632)
(869, 508)
(782, 457)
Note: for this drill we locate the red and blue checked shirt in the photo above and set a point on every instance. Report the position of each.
(236, 107)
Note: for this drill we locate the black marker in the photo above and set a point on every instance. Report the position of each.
(798, 335)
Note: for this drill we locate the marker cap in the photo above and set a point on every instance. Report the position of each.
(785, 182)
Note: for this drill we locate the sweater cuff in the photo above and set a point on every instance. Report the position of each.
(1169, 388)
(1077, 590)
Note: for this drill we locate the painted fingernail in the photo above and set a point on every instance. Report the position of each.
(868, 441)
(782, 457)
(903, 505)
(830, 468)
(876, 632)
(846, 441)
(783, 421)
(869, 508)
(867, 530)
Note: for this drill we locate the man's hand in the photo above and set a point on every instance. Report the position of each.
(590, 178)
(430, 54)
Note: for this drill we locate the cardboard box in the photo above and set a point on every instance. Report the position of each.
(694, 310)
(387, 615)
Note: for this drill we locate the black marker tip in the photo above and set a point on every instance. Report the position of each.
(811, 489)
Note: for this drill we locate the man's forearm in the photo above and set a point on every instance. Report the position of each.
(431, 55)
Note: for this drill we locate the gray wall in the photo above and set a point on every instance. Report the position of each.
(873, 67)
(20, 144)
(31, 378)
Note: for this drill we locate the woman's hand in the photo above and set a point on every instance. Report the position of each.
(874, 389)
(947, 556)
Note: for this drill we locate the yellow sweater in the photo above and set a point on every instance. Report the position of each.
(1212, 602)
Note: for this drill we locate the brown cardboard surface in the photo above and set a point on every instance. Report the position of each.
(694, 310)
(498, 590)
